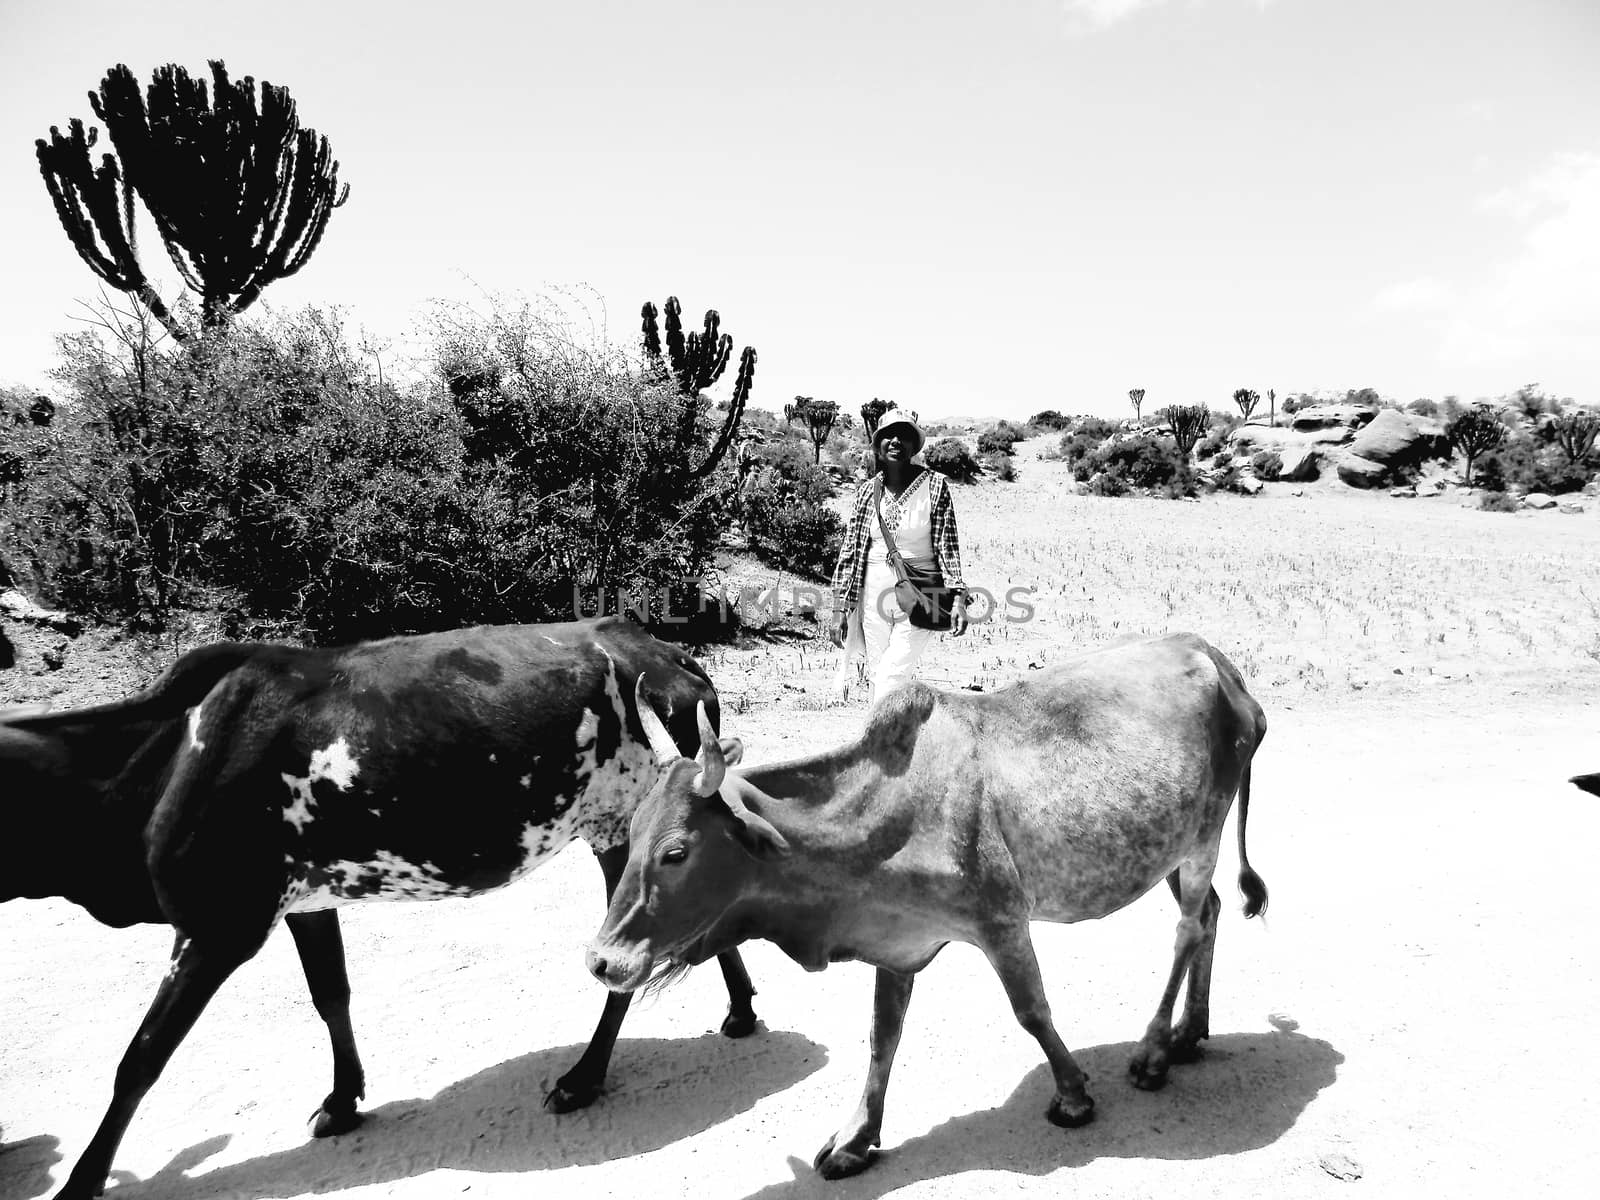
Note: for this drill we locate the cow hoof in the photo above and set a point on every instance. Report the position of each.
(841, 1164)
(323, 1123)
(564, 1099)
(1184, 1052)
(1070, 1114)
(1148, 1074)
(738, 1024)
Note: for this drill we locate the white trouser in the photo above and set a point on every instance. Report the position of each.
(893, 644)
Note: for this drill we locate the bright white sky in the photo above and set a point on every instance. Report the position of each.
(980, 208)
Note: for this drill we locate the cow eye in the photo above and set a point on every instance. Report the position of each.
(673, 855)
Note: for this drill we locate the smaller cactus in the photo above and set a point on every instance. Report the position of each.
(1188, 422)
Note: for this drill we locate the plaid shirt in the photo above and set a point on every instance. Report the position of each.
(851, 574)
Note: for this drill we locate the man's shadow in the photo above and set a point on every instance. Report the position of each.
(1246, 1091)
(659, 1091)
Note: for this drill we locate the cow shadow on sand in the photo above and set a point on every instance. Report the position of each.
(1246, 1091)
(659, 1091)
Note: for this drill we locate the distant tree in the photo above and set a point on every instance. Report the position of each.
(818, 416)
(1188, 422)
(871, 413)
(1247, 401)
(1049, 421)
(1137, 396)
(1475, 432)
(239, 193)
(696, 361)
(1575, 434)
(1272, 407)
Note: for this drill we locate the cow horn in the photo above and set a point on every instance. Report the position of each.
(661, 743)
(712, 765)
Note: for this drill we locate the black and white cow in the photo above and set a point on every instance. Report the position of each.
(254, 783)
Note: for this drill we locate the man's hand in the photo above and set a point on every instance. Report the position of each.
(958, 615)
(841, 629)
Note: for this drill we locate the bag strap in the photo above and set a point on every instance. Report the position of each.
(891, 551)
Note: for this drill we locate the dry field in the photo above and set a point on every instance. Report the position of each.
(1414, 1015)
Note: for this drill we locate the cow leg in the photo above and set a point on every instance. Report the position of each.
(1148, 1066)
(194, 977)
(1195, 1024)
(580, 1086)
(741, 1019)
(321, 947)
(1011, 955)
(850, 1150)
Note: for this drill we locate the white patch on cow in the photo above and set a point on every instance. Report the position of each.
(588, 727)
(387, 877)
(335, 764)
(549, 639)
(607, 792)
(194, 729)
(298, 811)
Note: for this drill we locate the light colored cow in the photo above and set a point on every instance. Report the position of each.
(958, 818)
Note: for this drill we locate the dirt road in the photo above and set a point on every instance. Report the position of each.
(1417, 1009)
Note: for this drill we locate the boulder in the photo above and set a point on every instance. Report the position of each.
(1397, 440)
(1248, 485)
(1302, 465)
(1538, 500)
(1572, 510)
(1362, 472)
(1428, 489)
(1403, 493)
(1328, 416)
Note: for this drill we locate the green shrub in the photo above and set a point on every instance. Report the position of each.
(1497, 502)
(1144, 461)
(1049, 421)
(275, 469)
(1098, 428)
(1001, 439)
(1001, 467)
(783, 508)
(1268, 464)
(951, 458)
(1522, 465)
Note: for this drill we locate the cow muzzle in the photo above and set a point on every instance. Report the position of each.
(621, 969)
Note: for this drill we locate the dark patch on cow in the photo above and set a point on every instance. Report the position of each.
(891, 734)
(462, 661)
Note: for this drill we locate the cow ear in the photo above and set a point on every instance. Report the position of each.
(757, 835)
(732, 750)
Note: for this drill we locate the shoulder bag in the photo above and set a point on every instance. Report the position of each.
(920, 590)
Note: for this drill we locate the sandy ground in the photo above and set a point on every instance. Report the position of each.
(1414, 1016)
(1416, 1008)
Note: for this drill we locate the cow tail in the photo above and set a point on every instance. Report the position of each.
(1251, 884)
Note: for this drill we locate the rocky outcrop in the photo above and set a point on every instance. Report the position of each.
(1301, 465)
(1396, 440)
(1330, 416)
(1362, 472)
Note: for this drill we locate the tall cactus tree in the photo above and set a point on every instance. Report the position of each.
(1188, 422)
(1272, 407)
(1575, 433)
(1137, 396)
(240, 193)
(819, 418)
(696, 361)
(871, 413)
(1247, 401)
(1475, 432)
